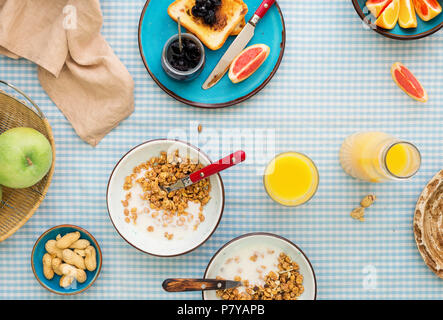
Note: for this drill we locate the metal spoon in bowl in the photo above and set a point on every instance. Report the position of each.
(216, 167)
(182, 285)
(180, 43)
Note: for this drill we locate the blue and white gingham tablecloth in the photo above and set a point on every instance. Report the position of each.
(334, 80)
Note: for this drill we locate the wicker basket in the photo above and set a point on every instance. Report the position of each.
(18, 205)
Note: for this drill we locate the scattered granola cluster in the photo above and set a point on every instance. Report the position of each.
(287, 284)
(160, 171)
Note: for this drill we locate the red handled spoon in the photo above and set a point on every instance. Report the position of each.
(216, 167)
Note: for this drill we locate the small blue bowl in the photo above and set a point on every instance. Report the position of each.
(424, 28)
(39, 250)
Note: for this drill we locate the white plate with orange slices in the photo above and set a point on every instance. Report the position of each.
(401, 19)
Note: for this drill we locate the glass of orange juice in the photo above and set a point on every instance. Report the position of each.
(291, 179)
(379, 157)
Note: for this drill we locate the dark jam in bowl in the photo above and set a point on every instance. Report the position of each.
(186, 59)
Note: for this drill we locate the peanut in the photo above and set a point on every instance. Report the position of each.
(73, 258)
(68, 239)
(58, 237)
(367, 201)
(56, 262)
(81, 275)
(358, 214)
(52, 249)
(90, 258)
(66, 281)
(80, 244)
(80, 252)
(47, 266)
(71, 271)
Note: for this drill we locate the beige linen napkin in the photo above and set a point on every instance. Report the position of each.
(77, 68)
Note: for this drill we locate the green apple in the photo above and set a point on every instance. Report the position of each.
(25, 157)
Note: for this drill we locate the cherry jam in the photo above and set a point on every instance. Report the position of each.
(206, 9)
(186, 59)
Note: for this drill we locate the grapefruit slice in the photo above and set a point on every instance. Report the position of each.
(427, 9)
(408, 82)
(389, 17)
(407, 18)
(376, 7)
(247, 62)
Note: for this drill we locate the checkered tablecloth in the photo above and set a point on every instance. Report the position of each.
(334, 80)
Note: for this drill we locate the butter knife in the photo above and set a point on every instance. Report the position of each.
(237, 46)
(182, 285)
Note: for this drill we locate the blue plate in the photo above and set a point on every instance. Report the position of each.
(424, 28)
(39, 250)
(156, 27)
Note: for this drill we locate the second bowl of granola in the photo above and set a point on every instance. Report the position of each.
(153, 221)
(271, 268)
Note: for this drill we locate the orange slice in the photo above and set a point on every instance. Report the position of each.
(427, 9)
(247, 62)
(376, 7)
(389, 17)
(408, 82)
(407, 17)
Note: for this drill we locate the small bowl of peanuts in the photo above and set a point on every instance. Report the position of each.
(66, 260)
(269, 267)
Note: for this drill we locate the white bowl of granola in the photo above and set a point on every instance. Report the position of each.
(271, 268)
(149, 219)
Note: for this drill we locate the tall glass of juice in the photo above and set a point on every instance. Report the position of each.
(291, 179)
(379, 157)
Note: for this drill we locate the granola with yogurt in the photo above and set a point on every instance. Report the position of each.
(284, 284)
(148, 178)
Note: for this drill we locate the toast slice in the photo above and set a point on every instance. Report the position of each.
(228, 17)
(238, 28)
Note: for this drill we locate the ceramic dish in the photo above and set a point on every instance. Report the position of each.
(155, 20)
(428, 222)
(268, 240)
(424, 28)
(39, 250)
(139, 237)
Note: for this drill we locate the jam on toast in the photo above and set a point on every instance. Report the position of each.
(229, 16)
